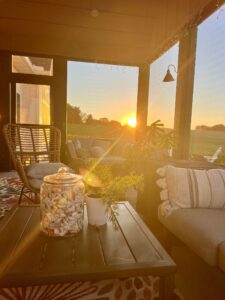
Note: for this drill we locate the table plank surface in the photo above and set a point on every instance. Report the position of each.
(27, 256)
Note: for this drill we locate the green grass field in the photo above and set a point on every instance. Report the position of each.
(99, 131)
(206, 142)
(202, 142)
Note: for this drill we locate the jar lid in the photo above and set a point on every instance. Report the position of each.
(62, 177)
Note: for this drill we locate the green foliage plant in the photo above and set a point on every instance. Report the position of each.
(154, 145)
(100, 183)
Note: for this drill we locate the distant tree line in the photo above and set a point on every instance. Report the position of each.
(218, 127)
(76, 116)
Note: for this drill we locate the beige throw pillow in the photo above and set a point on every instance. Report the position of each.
(186, 188)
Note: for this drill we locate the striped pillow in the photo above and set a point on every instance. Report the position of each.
(188, 188)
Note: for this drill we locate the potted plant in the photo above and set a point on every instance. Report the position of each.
(157, 144)
(104, 191)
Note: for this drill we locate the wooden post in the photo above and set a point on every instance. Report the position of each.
(142, 100)
(5, 70)
(59, 99)
(184, 94)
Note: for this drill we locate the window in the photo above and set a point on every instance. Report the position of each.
(208, 114)
(32, 104)
(101, 100)
(32, 65)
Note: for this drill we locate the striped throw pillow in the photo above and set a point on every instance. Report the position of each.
(188, 188)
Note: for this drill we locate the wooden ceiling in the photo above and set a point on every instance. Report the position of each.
(129, 32)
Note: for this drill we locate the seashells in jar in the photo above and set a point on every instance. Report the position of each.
(62, 204)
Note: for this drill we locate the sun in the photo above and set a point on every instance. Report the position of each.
(132, 122)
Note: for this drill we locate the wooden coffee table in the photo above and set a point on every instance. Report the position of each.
(28, 257)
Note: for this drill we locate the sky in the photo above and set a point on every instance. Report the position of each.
(103, 90)
(111, 91)
(209, 88)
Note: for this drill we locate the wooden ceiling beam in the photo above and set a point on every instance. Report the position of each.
(53, 46)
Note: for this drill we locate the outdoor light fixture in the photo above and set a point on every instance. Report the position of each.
(169, 77)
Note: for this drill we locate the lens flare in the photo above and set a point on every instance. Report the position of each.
(132, 122)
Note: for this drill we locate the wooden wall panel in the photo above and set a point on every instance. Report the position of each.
(4, 107)
(59, 100)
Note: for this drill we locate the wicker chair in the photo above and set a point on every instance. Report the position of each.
(31, 144)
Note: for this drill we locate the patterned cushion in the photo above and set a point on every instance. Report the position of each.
(187, 188)
(131, 288)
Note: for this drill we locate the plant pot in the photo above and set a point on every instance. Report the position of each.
(97, 211)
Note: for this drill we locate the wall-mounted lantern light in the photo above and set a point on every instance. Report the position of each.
(168, 77)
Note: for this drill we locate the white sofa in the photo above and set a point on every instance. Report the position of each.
(195, 237)
(192, 215)
(193, 209)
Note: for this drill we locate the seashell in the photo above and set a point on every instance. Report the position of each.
(62, 208)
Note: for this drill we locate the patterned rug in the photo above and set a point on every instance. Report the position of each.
(118, 289)
(10, 188)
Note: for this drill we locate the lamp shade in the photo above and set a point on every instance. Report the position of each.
(168, 77)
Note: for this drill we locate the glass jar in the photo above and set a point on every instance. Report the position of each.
(62, 203)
